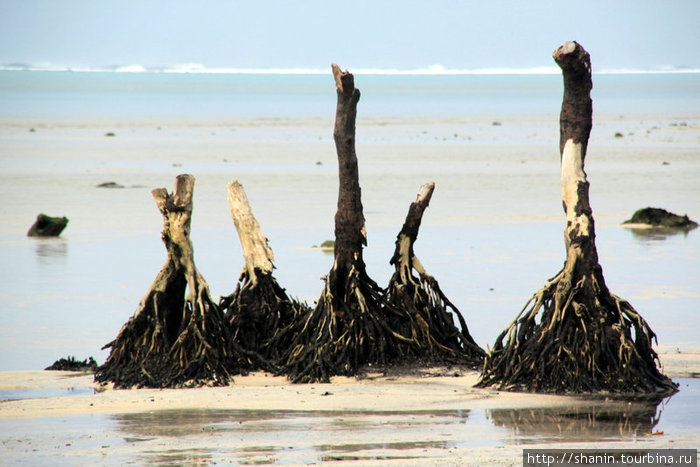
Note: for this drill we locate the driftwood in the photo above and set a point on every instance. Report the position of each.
(178, 336)
(428, 321)
(348, 327)
(573, 335)
(259, 307)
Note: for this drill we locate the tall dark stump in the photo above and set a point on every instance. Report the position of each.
(573, 335)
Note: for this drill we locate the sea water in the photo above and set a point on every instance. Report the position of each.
(492, 235)
(195, 97)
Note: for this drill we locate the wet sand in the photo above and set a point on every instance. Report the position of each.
(430, 417)
(492, 236)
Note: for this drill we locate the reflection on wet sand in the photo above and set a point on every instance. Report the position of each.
(194, 436)
(254, 436)
(47, 249)
(658, 234)
(607, 421)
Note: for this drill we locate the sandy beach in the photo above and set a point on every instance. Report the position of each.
(428, 417)
(104, 105)
(491, 236)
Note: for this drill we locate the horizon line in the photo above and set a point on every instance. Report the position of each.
(434, 70)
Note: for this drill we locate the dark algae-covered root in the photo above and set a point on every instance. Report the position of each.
(574, 335)
(178, 335)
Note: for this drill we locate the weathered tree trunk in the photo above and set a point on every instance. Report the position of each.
(573, 335)
(259, 308)
(347, 328)
(428, 323)
(178, 336)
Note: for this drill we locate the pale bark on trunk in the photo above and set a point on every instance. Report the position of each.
(178, 336)
(573, 335)
(256, 251)
(259, 308)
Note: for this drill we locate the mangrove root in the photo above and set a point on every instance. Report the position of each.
(178, 336)
(429, 314)
(349, 326)
(573, 335)
(259, 307)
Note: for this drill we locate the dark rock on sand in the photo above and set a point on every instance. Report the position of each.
(71, 364)
(110, 185)
(47, 226)
(657, 217)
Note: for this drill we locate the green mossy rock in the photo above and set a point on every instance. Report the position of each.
(658, 217)
(47, 226)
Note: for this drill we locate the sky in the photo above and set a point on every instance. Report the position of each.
(356, 34)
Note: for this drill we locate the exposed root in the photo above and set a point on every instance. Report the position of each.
(349, 327)
(430, 325)
(427, 314)
(259, 308)
(573, 335)
(576, 338)
(257, 311)
(342, 333)
(173, 340)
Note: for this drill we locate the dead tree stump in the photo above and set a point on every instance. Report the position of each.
(178, 336)
(428, 314)
(573, 335)
(348, 327)
(259, 308)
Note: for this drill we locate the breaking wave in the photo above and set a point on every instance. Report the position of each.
(196, 68)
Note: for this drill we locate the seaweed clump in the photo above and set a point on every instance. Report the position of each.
(72, 364)
(657, 217)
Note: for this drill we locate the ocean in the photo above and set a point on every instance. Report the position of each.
(202, 96)
(491, 237)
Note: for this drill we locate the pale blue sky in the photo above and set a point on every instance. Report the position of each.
(391, 34)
